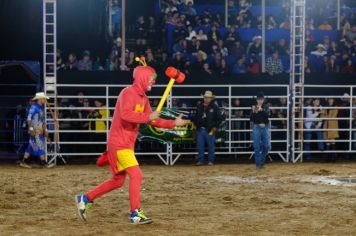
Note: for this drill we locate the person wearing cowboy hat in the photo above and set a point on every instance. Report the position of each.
(37, 130)
(207, 121)
(320, 50)
(260, 130)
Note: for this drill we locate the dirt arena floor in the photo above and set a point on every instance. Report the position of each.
(282, 199)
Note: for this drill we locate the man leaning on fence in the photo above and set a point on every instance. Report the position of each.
(207, 120)
(38, 132)
(261, 136)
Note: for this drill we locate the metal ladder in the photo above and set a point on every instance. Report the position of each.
(297, 55)
(49, 14)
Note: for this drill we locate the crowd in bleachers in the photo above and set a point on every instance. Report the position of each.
(192, 36)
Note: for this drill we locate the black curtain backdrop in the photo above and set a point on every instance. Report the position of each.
(81, 25)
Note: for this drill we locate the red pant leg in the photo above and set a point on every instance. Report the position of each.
(115, 182)
(135, 181)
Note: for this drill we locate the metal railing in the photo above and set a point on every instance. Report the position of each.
(77, 142)
(345, 129)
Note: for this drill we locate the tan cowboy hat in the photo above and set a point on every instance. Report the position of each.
(40, 95)
(321, 46)
(208, 94)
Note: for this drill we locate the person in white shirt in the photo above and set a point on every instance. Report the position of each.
(312, 124)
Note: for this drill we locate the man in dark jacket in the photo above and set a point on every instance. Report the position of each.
(207, 120)
(261, 136)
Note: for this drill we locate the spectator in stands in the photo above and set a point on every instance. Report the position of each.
(255, 47)
(231, 36)
(310, 24)
(254, 66)
(206, 18)
(164, 62)
(178, 61)
(72, 63)
(240, 20)
(282, 47)
(194, 46)
(181, 46)
(207, 72)
(331, 126)
(349, 34)
(131, 63)
(191, 33)
(180, 32)
(237, 113)
(97, 66)
(141, 31)
(348, 67)
(326, 42)
(256, 22)
(274, 64)
(152, 31)
(223, 70)
(307, 66)
(98, 123)
(216, 63)
(83, 113)
(189, 9)
(320, 50)
(213, 35)
(60, 62)
(201, 35)
(169, 7)
(285, 24)
(325, 26)
(113, 62)
(283, 102)
(334, 49)
(85, 64)
(239, 67)
(238, 50)
(117, 46)
(332, 65)
(271, 23)
(150, 59)
(222, 49)
(312, 122)
(353, 48)
(201, 59)
(79, 102)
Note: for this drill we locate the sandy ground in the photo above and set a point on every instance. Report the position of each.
(282, 199)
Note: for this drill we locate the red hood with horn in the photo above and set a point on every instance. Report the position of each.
(132, 109)
(142, 76)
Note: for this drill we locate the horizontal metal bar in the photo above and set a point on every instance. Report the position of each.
(322, 141)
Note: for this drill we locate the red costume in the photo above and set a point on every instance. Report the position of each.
(132, 108)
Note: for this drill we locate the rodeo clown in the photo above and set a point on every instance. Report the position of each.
(132, 109)
(38, 132)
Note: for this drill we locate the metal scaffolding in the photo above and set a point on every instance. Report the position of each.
(49, 14)
(297, 55)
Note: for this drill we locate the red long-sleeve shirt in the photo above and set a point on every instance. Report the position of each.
(133, 108)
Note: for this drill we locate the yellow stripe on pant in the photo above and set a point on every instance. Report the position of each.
(125, 158)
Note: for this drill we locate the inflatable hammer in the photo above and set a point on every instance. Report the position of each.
(175, 76)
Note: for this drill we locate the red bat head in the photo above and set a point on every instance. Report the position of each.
(175, 74)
